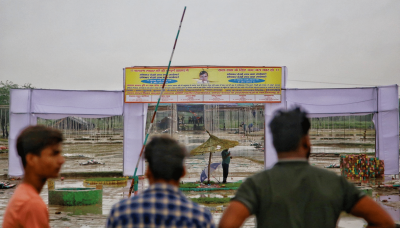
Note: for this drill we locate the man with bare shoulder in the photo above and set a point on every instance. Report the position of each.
(40, 150)
(295, 194)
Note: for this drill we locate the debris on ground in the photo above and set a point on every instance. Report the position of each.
(15, 178)
(92, 162)
(73, 155)
(333, 166)
(6, 185)
(3, 149)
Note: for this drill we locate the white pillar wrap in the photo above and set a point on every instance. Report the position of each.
(270, 157)
(134, 133)
(20, 118)
(387, 128)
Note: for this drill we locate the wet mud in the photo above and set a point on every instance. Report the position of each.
(246, 160)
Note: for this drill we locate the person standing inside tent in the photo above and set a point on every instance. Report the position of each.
(226, 159)
(250, 127)
(40, 150)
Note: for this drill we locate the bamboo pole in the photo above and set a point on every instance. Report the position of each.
(158, 102)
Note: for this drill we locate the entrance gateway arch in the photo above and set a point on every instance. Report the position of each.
(26, 105)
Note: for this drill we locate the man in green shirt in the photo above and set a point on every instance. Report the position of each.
(295, 194)
(226, 159)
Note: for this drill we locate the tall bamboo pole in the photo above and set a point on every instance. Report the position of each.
(158, 102)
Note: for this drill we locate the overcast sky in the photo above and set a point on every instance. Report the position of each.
(81, 44)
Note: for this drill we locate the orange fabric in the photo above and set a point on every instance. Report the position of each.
(26, 209)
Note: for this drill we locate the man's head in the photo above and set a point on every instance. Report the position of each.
(165, 157)
(40, 150)
(290, 131)
(203, 76)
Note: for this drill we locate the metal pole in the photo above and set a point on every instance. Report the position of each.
(158, 102)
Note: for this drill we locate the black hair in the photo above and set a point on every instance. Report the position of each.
(165, 157)
(34, 139)
(287, 128)
(203, 72)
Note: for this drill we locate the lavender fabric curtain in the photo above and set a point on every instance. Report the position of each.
(270, 156)
(70, 102)
(20, 118)
(28, 104)
(382, 101)
(134, 132)
(388, 128)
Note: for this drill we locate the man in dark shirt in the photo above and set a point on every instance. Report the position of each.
(295, 194)
(226, 159)
(162, 204)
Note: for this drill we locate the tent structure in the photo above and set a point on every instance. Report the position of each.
(382, 101)
(28, 104)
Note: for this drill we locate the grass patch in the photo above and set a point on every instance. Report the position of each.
(231, 185)
(209, 200)
(92, 174)
(189, 185)
(227, 185)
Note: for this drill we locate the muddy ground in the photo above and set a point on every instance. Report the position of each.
(246, 161)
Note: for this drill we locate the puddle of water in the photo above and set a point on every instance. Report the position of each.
(82, 210)
(240, 168)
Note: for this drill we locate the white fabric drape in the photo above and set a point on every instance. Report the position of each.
(387, 145)
(28, 104)
(20, 118)
(134, 133)
(270, 156)
(383, 101)
(333, 101)
(95, 103)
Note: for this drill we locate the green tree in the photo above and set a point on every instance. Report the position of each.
(5, 88)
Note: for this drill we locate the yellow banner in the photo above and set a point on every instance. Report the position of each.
(203, 84)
